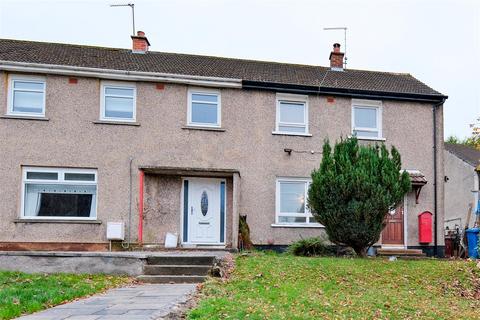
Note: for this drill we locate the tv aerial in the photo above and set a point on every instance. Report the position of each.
(132, 6)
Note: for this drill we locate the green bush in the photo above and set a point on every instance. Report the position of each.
(354, 189)
(309, 247)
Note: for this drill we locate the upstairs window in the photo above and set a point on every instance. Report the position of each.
(204, 108)
(26, 96)
(292, 201)
(53, 193)
(118, 102)
(292, 114)
(367, 119)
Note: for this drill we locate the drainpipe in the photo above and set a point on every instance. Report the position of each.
(141, 176)
(435, 193)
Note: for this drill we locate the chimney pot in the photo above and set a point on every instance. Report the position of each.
(336, 57)
(140, 43)
(336, 47)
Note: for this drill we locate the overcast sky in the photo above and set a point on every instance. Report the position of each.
(436, 41)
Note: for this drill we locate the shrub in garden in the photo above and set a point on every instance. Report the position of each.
(353, 190)
(309, 247)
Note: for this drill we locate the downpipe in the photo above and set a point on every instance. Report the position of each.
(435, 176)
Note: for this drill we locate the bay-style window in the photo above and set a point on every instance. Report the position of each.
(367, 119)
(291, 201)
(292, 114)
(26, 96)
(59, 193)
(204, 108)
(118, 102)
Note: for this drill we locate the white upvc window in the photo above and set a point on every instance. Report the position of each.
(367, 119)
(204, 108)
(291, 202)
(59, 193)
(26, 96)
(118, 102)
(292, 114)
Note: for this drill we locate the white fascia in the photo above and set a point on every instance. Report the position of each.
(112, 74)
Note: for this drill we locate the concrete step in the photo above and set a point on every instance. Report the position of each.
(170, 279)
(181, 260)
(185, 269)
(401, 252)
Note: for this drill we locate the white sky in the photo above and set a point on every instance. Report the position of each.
(437, 41)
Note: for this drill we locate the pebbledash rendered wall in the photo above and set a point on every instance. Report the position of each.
(462, 180)
(70, 138)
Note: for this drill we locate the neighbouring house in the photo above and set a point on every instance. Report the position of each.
(185, 144)
(462, 184)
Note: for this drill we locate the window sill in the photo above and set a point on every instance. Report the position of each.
(369, 138)
(204, 128)
(71, 221)
(291, 134)
(112, 122)
(296, 225)
(18, 117)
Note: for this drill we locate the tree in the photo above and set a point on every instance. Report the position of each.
(472, 141)
(353, 190)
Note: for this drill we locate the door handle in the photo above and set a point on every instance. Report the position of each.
(191, 210)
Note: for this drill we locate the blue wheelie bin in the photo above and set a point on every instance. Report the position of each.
(472, 240)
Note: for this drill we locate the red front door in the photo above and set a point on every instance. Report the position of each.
(393, 231)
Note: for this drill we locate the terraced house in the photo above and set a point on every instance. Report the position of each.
(185, 144)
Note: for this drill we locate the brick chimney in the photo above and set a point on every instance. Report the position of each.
(140, 43)
(336, 57)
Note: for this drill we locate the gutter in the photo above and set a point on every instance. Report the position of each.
(354, 93)
(113, 74)
(435, 192)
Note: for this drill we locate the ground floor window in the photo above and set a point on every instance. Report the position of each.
(291, 201)
(59, 193)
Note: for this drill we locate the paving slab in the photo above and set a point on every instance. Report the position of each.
(139, 302)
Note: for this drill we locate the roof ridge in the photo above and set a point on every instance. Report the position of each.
(66, 44)
(163, 52)
(205, 56)
(255, 71)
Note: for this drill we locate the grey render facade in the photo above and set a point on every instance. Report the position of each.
(82, 161)
(461, 188)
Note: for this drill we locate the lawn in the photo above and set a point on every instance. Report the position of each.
(26, 293)
(274, 286)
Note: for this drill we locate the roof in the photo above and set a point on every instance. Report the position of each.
(417, 178)
(468, 154)
(249, 71)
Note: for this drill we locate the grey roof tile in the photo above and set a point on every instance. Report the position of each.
(208, 66)
(468, 154)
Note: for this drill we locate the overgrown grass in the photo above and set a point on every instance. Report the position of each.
(311, 247)
(273, 286)
(26, 293)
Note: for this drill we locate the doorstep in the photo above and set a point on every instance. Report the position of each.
(402, 252)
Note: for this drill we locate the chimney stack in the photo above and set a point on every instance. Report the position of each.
(140, 43)
(336, 57)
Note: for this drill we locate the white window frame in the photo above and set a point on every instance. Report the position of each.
(368, 104)
(216, 93)
(307, 214)
(61, 180)
(22, 78)
(293, 98)
(117, 85)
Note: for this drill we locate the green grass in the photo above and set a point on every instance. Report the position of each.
(272, 286)
(22, 293)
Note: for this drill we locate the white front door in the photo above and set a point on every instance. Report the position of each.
(205, 210)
